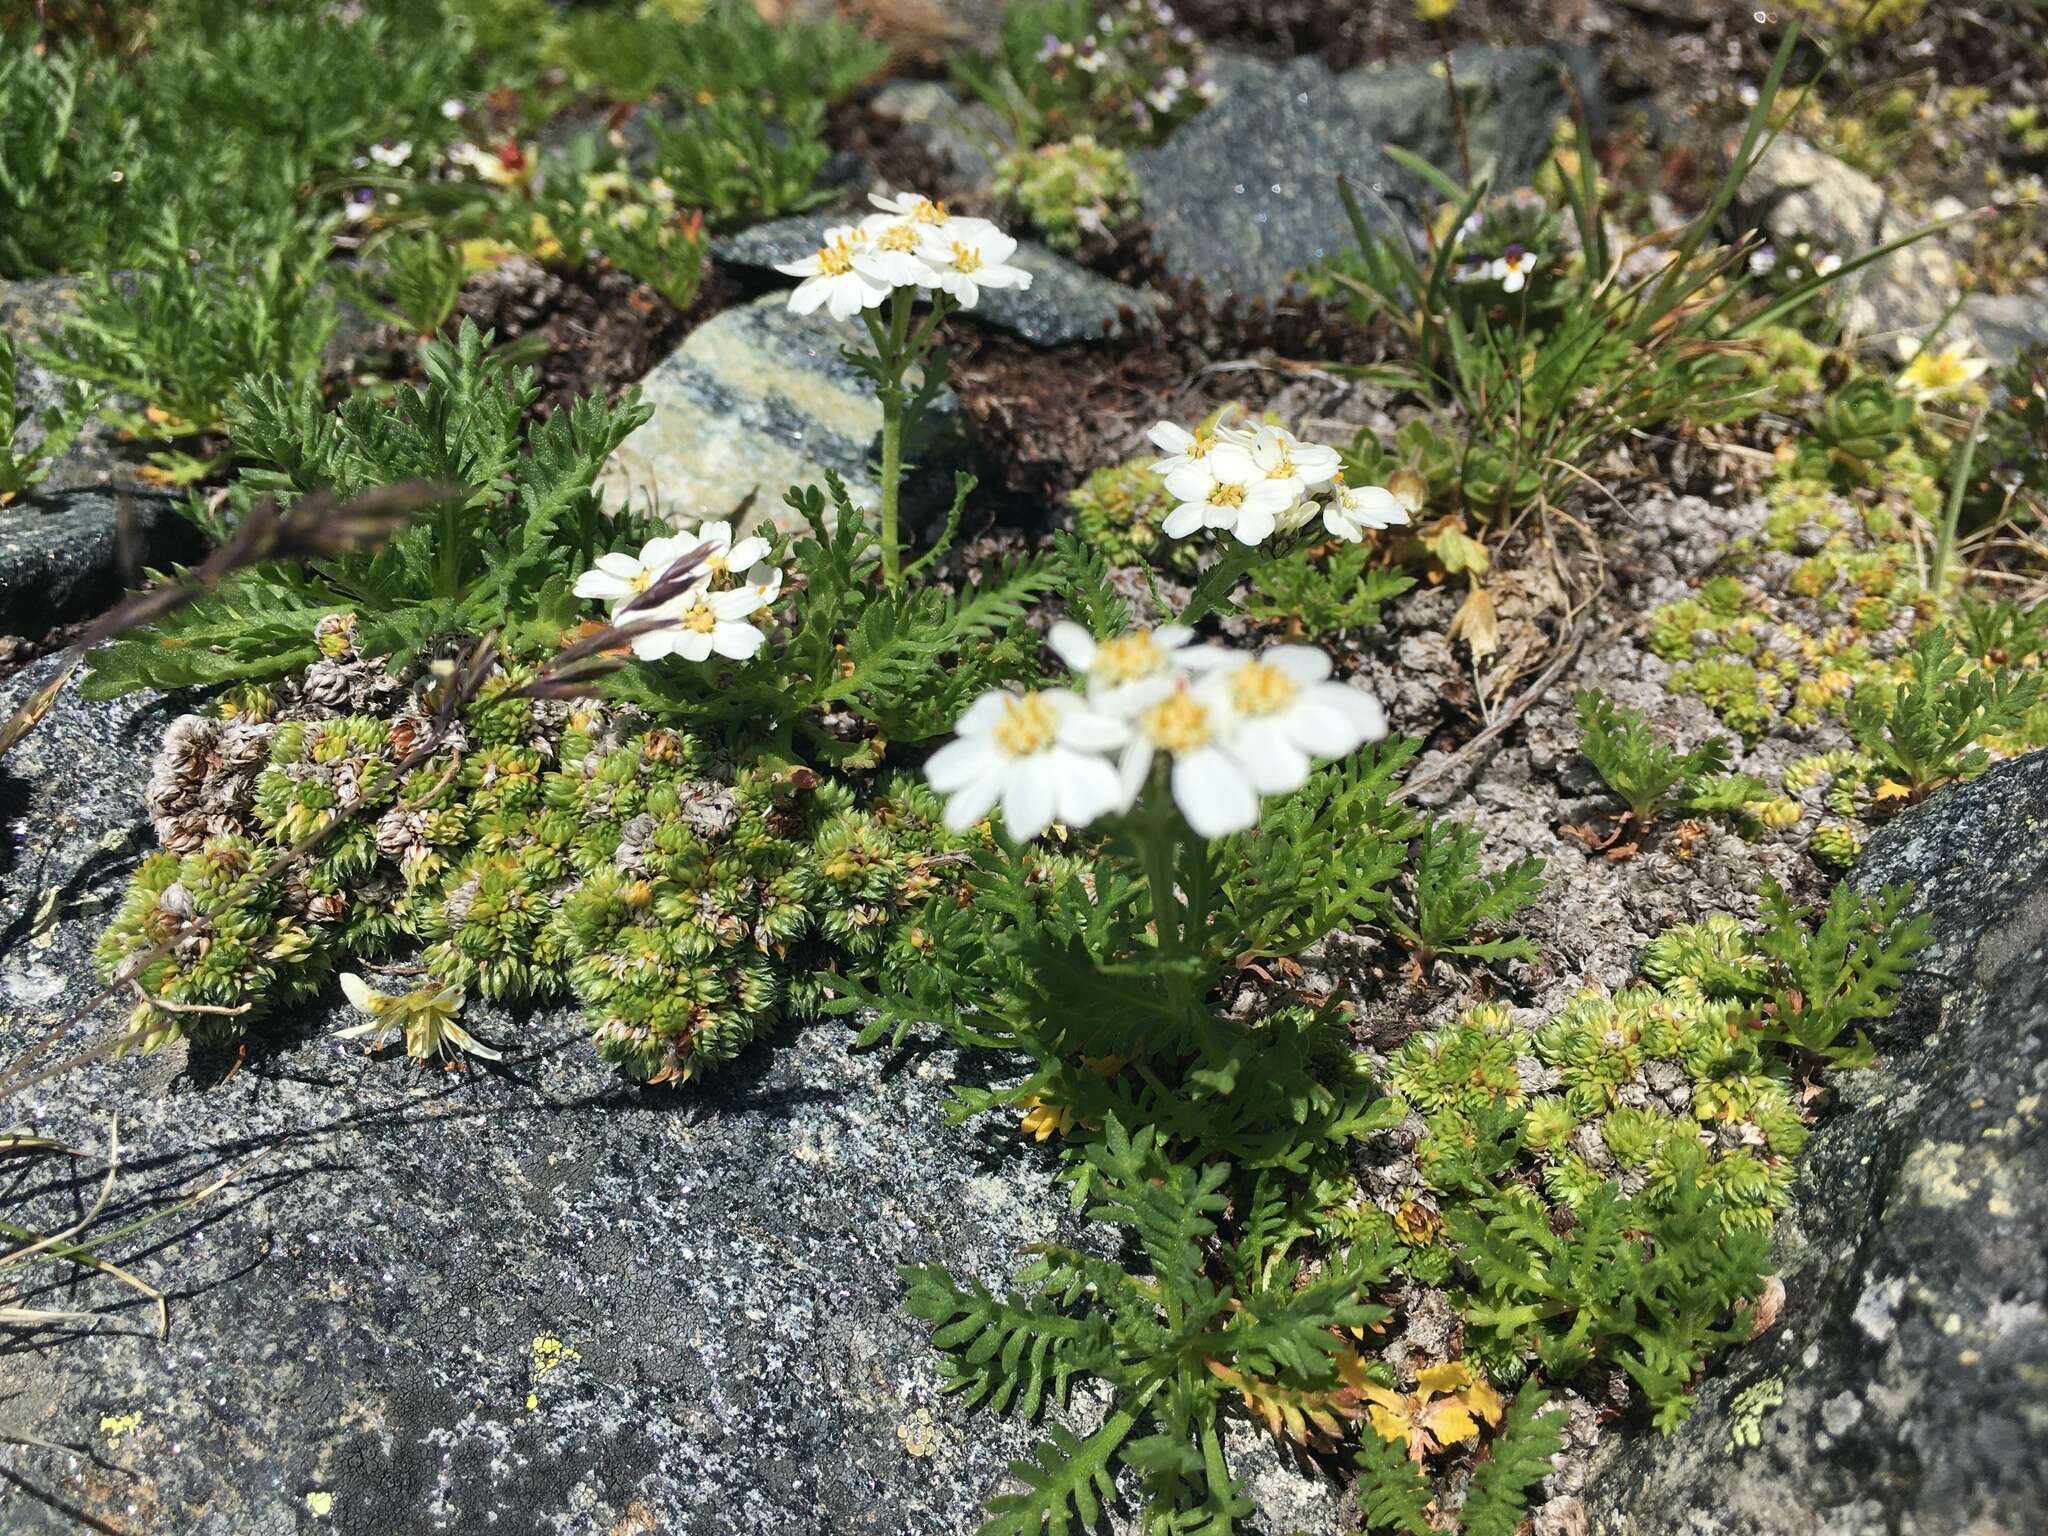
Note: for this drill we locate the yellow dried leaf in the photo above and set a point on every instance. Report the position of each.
(1477, 624)
(1891, 789)
(1456, 551)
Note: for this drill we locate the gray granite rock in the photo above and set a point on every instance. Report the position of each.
(532, 1299)
(1064, 303)
(1797, 192)
(1246, 194)
(59, 552)
(1912, 1356)
(964, 137)
(757, 400)
(2007, 324)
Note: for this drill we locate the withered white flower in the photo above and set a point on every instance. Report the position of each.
(1040, 755)
(425, 1017)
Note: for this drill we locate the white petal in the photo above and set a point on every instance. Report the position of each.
(1192, 482)
(1253, 525)
(1072, 644)
(1314, 725)
(1213, 793)
(1229, 462)
(737, 639)
(985, 713)
(603, 586)
(1273, 764)
(357, 991)
(1305, 664)
(1029, 799)
(959, 762)
(1086, 788)
(1088, 730)
(1183, 519)
(805, 298)
(1172, 439)
(972, 801)
(1132, 769)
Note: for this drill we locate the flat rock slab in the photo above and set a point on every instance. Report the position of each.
(756, 400)
(1245, 196)
(532, 1300)
(1064, 303)
(59, 551)
(1910, 1366)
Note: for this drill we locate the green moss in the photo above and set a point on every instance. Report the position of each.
(1070, 190)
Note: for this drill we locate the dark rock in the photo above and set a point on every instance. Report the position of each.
(1064, 303)
(757, 400)
(60, 555)
(964, 137)
(525, 1299)
(1912, 1356)
(1246, 194)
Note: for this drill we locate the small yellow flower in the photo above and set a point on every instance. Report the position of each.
(1042, 1121)
(1928, 374)
(1446, 1406)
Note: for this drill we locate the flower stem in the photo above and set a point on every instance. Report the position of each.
(892, 475)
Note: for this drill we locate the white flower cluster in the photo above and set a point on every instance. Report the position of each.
(1233, 725)
(1251, 481)
(714, 613)
(912, 242)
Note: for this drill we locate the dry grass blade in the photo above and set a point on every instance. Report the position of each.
(316, 527)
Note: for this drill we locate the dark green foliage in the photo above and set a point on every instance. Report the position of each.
(1172, 1346)
(180, 335)
(1499, 1496)
(1928, 730)
(1858, 427)
(500, 553)
(412, 281)
(24, 465)
(1837, 976)
(1649, 1283)
(1650, 776)
(1324, 595)
(637, 52)
(64, 158)
(1450, 898)
(1392, 1493)
(730, 161)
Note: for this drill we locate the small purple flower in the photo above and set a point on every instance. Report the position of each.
(1049, 49)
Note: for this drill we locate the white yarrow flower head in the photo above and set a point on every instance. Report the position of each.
(1181, 447)
(1193, 728)
(1040, 755)
(618, 576)
(889, 250)
(1283, 711)
(726, 557)
(913, 206)
(831, 278)
(966, 256)
(702, 623)
(1226, 489)
(1125, 672)
(1285, 458)
(1352, 509)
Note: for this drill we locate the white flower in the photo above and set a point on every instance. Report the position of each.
(618, 576)
(1225, 488)
(1282, 711)
(393, 155)
(765, 582)
(1826, 263)
(1182, 447)
(965, 259)
(1352, 509)
(918, 209)
(1511, 269)
(453, 109)
(1286, 459)
(726, 557)
(1040, 754)
(832, 280)
(888, 250)
(1125, 672)
(1209, 784)
(701, 622)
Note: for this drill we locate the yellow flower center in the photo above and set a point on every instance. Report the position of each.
(966, 258)
(929, 212)
(1128, 658)
(1257, 688)
(699, 618)
(1937, 370)
(1284, 470)
(836, 259)
(898, 237)
(642, 581)
(1226, 494)
(1028, 726)
(1177, 723)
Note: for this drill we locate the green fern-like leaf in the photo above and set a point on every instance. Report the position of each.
(1518, 1460)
